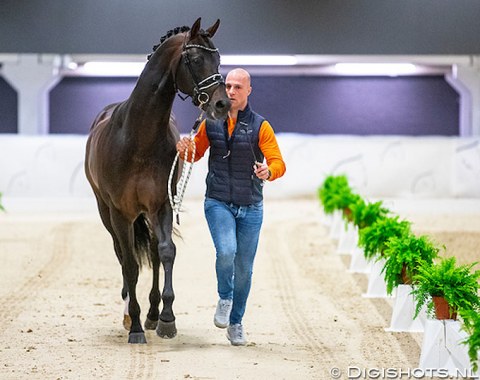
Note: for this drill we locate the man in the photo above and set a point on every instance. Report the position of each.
(244, 154)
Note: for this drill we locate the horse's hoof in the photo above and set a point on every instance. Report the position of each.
(150, 325)
(166, 329)
(127, 322)
(137, 338)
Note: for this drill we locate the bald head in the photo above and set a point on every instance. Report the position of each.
(240, 74)
(238, 88)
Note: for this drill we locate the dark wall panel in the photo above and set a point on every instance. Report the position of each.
(358, 105)
(248, 26)
(8, 108)
(315, 105)
(75, 102)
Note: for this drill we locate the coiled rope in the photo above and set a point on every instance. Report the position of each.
(177, 199)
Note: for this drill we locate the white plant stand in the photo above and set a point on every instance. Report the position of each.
(442, 348)
(326, 219)
(404, 310)
(359, 264)
(377, 288)
(337, 225)
(347, 240)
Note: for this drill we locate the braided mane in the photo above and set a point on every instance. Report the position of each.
(170, 33)
(173, 32)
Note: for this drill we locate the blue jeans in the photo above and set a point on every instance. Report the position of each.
(235, 231)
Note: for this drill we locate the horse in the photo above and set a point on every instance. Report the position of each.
(129, 152)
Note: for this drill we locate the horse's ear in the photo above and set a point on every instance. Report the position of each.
(211, 31)
(195, 28)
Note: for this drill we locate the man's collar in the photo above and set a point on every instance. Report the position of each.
(244, 112)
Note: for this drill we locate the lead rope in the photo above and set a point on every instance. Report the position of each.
(177, 199)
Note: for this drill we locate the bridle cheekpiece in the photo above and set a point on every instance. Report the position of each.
(200, 97)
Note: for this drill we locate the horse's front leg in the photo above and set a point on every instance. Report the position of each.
(153, 314)
(125, 234)
(104, 211)
(166, 249)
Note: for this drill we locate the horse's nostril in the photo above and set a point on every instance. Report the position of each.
(221, 104)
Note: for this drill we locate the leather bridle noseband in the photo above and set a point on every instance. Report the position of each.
(200, 97)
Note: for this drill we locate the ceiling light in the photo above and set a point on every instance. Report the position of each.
(389, 69)
(112, 68)
(258, 60)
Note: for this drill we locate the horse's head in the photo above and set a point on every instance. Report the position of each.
(197, 72)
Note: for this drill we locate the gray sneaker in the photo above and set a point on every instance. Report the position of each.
(222, 314)
(235, 335)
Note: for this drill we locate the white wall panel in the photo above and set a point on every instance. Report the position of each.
(51, 167)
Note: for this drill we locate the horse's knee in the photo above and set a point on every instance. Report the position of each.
(166, 252)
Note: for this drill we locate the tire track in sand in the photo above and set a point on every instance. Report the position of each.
(56, 242)
(308, 334)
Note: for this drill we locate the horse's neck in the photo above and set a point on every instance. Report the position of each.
(150, 104)
(155, 89)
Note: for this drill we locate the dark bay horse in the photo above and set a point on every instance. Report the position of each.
(129, 153)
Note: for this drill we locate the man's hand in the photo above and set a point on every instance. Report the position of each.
(261, 170)
(184, 144)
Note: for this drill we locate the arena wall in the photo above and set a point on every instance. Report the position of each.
(48, 170)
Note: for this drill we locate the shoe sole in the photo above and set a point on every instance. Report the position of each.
(220, 325)
(236, 343)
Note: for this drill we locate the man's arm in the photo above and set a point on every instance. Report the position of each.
(201, 143)
(267, 143)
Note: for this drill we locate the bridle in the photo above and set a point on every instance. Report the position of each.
(200, 97)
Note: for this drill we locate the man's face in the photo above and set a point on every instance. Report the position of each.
(238, 89)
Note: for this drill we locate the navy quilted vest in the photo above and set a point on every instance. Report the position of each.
(230, 175)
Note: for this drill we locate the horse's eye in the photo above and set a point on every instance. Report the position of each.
(198, 60)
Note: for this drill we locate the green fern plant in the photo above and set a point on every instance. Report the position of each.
(403, 255)
(348, 204)
(365, 214)
(471, 325)
(336, 194)
(373, 238)
(458, 284)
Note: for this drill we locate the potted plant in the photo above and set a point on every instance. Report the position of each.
(403, 255)
(336, 194)
(373, 238)
(456, 284)
(471, 325)
(365, 214)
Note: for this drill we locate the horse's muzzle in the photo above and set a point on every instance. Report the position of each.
(219, 104)
(222, 106)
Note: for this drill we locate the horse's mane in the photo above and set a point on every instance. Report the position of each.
(170, 33)
(173, 32)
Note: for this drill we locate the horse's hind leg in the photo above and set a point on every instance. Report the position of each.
(124, 232)
(153, 313)
(166, 248)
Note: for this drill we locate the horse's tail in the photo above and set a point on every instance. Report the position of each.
(144, 241)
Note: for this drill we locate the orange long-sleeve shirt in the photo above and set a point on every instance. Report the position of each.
(267, 142)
